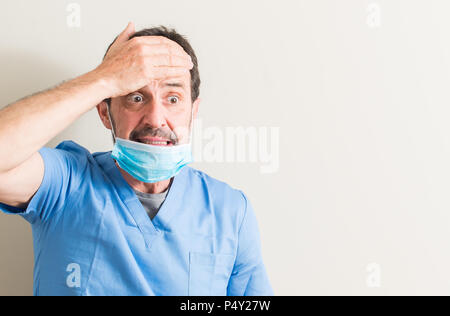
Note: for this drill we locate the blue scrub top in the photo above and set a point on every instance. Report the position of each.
(92, 236)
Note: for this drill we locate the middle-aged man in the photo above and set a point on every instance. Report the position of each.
(135, 220)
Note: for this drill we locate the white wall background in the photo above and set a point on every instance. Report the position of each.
(362, 105)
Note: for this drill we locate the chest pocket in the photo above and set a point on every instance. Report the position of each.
(209, 273)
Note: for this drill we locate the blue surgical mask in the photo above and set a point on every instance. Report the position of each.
(150, 163)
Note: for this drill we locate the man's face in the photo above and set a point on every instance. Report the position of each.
(158, 114)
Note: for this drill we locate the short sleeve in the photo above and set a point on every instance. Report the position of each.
(249, 276)
(62, 172)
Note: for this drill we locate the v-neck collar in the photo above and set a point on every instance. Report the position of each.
(172, 204)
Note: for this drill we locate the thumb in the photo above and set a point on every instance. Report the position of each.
(121, 38)
(125, 35)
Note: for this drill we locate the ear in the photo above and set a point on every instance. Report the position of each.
(195, 106)
(102, 109)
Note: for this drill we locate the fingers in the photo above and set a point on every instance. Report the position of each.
(164, 49)
(162, 60)
(158, 43)
(167, 72)
(153, 39)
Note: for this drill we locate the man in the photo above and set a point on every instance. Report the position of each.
(135, 220)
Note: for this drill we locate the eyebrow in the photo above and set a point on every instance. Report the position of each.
(168, 84)
(174, 84)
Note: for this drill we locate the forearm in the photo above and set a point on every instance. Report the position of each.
(28, 124)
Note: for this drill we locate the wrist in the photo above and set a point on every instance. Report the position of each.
(102, 84)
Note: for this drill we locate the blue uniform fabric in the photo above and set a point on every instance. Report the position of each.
(92, 236)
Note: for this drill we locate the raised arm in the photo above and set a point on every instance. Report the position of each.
(28, 124)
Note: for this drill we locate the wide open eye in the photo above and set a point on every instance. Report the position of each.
(136, 98)
(173, 99)
(134, 101)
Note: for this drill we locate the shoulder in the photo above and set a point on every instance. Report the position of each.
(80, 153)
(68, 151)
(68, 156)
(73, 147)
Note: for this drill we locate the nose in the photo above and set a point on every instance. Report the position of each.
(154, 114)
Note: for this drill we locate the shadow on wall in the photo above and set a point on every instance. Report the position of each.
(21, 74)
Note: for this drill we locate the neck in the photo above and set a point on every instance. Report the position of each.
(153, 188)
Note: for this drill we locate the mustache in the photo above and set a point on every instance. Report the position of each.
(154, 132)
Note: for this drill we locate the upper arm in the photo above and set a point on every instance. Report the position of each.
(18, 185)
(249, 276)
(44, 184)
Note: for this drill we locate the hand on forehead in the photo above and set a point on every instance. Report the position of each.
(133, 63)
(160, 45)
